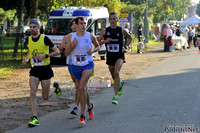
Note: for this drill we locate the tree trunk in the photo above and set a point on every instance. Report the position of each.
(19, 27)
(34, 10)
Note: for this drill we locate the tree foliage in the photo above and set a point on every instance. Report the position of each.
(9, 14)
(198, 9)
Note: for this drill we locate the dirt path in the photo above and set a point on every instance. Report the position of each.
(14, 96)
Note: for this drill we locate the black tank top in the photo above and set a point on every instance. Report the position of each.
(114, 47)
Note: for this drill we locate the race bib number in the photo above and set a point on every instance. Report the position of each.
(113, 47)
(36, 62)
(80, 59)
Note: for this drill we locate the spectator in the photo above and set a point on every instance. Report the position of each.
(169, 38)
(178, 31)
(164, 37)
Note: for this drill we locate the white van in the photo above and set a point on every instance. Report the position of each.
(58, 24)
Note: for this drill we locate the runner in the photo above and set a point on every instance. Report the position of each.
(69, 64)
(41, 71)
(80, 47)
(113, 36)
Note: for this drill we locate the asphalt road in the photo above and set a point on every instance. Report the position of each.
(164, 98)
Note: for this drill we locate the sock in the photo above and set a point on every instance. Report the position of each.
(120, 84)
(91, 106)
(82, 115)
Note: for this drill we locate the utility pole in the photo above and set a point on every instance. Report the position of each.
(146, 28)
(183, 9)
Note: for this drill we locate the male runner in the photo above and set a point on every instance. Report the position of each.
(41, 71)
(113, 39)
(79, 44)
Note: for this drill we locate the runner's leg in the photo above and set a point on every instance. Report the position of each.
(33, 83)
(118, 66)
(83, 87)
(46, 91)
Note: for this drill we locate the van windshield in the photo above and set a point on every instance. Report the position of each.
(58, 27)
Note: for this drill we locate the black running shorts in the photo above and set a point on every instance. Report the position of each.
(112, 61)
(42, 72)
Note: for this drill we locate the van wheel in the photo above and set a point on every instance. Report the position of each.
(103, 57)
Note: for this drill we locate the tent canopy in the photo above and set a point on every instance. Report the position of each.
(192, 20)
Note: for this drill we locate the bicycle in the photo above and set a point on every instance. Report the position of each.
(141, 45)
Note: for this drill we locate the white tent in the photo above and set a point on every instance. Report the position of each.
(192, 20)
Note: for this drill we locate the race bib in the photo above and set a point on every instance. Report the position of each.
(113, 47)
(80, 59)
(36, 62)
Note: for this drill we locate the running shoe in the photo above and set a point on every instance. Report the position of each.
(91, 112)
(114, 101)
(74, 111)
(82, 120)
(120, 90)
(57, 91)
(34, 122)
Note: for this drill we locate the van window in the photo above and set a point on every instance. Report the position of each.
(58, 27)
(97, 26)
(89, 22)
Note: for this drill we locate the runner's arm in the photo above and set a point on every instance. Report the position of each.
(95, 43)
(63, 44)
(102, 33)
(27, 58)
(70, 45)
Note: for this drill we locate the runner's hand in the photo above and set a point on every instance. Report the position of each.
(107, 40)
(24, 62)
(40, 57)
(90, 52)
(124, 50)
(75, 42)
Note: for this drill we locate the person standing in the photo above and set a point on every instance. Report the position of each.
(79, 44)
(198, 36)
(140, 30)
(169, 38)
(115, 49)
(69, 65)
(164, 37)
(41, 71)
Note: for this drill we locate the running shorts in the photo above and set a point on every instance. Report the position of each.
(42, 72)
(114, 60)
(70, 70)
(79, 69)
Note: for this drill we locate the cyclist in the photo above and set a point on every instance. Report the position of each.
(41, 71)
(115, 49)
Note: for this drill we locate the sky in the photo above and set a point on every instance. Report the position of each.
(196, 1)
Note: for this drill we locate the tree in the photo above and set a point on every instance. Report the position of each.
(19, 27)
(198, 9)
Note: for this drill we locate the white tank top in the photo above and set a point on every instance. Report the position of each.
(79, 53)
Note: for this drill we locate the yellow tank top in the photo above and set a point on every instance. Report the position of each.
(36, 48)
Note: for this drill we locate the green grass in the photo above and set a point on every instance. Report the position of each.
(151, 42)
(7, 61)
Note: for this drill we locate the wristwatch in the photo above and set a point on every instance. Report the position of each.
(46, 55)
